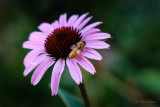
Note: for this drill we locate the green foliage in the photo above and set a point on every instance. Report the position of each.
(69, 100)
(149, 80)
(131, 63)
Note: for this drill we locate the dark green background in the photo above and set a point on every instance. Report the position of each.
(128, 75)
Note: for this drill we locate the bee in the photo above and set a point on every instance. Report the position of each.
(77, 49)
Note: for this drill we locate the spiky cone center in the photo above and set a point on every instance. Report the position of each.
(58, 43)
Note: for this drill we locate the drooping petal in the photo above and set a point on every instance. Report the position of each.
(33, 64)
(37, 36)
(91, 31)
(87, 65)
(97, 44)
(96, 36)
(92, 54)
(74, 70)
(33, 44)
(46, 28)
(56, 75)
(72, 20)
(63, 20)
(32, 55)
(41, 69)
(90, 26)
(55, 24)
(79, 20)
(84, 22)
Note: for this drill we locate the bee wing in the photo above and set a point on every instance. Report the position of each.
(73, 46)
(79, 51)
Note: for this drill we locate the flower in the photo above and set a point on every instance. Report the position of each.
(58, 43)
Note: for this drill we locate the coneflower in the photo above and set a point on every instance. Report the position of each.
(64, 42)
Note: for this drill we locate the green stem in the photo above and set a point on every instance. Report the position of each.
(84, 94)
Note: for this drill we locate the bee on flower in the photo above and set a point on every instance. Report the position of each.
(77, 49)
(64, 41)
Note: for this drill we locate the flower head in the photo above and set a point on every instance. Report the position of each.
(64, 41)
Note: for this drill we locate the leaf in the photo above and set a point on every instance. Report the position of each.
(69, 100)
(150, 81)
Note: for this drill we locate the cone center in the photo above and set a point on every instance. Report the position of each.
(58, 43)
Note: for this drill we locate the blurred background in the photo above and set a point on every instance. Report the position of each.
(128, 75)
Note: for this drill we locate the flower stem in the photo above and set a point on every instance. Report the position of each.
(84, 94)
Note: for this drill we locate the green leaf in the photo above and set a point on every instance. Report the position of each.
(150, 81)
(69, 100)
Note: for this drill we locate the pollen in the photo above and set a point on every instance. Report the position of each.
(58, 43)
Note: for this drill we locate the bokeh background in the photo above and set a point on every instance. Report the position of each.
(128, 75)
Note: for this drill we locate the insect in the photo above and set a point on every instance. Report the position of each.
(77, 49)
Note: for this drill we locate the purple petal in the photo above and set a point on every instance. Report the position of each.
(74, 70)
(62, 20)
(46, 28)
(55, 24)
(84, 22)
(92, 54)
(72, 20)
(87, 65)
(91, 31)
(41, 69)
(39, 36)
(33, 64)
(32, 55)
(97, 44)
(80, 19)
(56, 75)
(33, 44)
(96, 36)
(90, 26)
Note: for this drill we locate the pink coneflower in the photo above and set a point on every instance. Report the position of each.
(64, 41)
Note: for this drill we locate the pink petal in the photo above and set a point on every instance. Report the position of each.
(33, 44)
(72, 20)
(92, 54)
(84, 22)
(91, 31)
(56, 75)
(55, 24)
(33, 64)
(32, 55)
(90, 26)
(96, 36)
(74, 70)
(41, 69)
(80, 19)
(39, 36)
(87, 65)
(46, 28)
(62, 20)
(97, 44)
